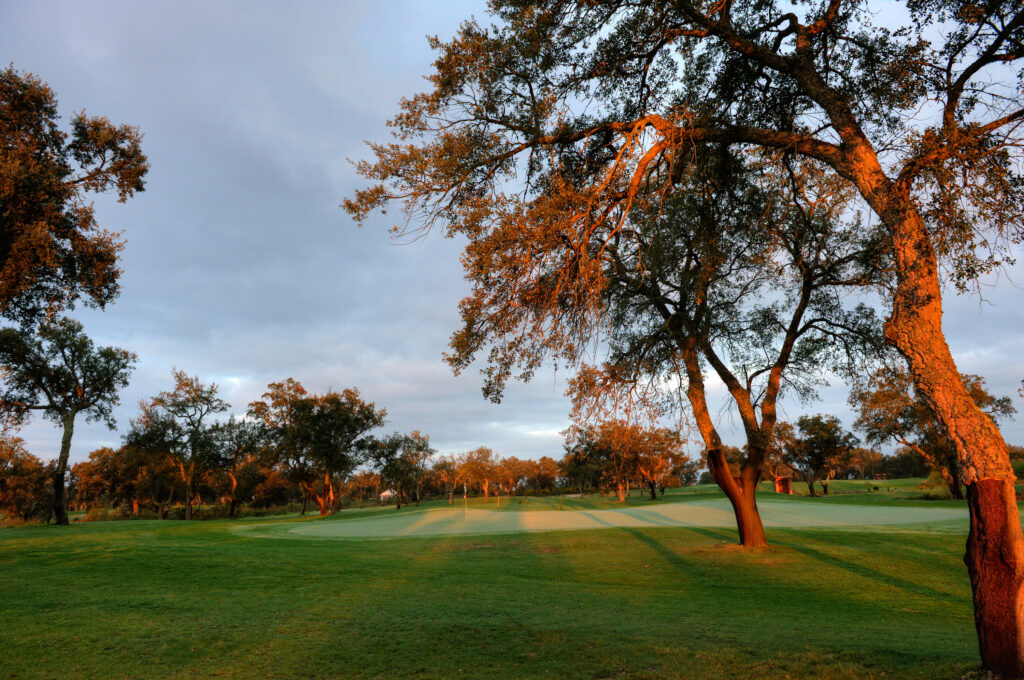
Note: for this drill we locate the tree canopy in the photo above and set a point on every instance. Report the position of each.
(178, 423)
(58, 371)
(52, 251)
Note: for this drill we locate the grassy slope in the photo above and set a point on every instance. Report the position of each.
(175, 600)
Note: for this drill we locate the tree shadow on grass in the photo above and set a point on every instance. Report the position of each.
(870, 573)
(851, 566)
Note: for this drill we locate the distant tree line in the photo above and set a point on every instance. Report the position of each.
(302, 450)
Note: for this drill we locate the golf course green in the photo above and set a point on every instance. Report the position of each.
(852, 586)
(716, 512)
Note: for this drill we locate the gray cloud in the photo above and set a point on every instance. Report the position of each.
(240, 266)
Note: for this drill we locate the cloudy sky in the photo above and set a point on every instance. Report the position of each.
(241, 268)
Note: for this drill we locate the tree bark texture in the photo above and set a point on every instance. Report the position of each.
(741, 494)
(60, 497)
(995, 562)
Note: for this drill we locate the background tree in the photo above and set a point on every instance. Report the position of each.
(687, 471)
(26, 483)
(52, 251)
(275, 411)
(363, 485)
(821, 449)
(659, 455)
(449, 470)
(611, 98)
(614, 447)
(544, 474)
(479, 469)
(326, 435)
(510, 472)
(862, 461)
(59, 371)
(402, 462)
(888, 410)
(237, 445)
(578, 467)
(129, 477)
(178, 422)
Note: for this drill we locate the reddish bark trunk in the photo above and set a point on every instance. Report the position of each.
(622, 492)
(321, 501)
(740, 492)
(995, 562)
(231, 496)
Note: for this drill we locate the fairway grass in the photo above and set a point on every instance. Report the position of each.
(637, 599)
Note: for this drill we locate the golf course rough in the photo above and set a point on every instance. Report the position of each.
(457, 521)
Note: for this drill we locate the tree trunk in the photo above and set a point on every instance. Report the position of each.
(740, 492)
(654, 491)
(188, 496)
(622, 492)
(321, 501)
(810, 485)
(234, 486)
(995, 562)
(60, 497)
(951, 482)
(486, 489)
(165, 508)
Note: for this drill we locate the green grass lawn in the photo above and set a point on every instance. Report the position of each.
(249, 599)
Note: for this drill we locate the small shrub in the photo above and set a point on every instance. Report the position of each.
(933, 481)
(99, 515)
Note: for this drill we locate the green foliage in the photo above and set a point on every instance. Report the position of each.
(52, 251)
(822, 448)
(177, 423)
(315, 437)
(58, 370)
(402, 462)
(26, 484)
(329, 429)
(178, 420)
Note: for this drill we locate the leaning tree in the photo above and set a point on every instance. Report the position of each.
(924, 121)
(58, 371)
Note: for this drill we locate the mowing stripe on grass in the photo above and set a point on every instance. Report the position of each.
(703, 513)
